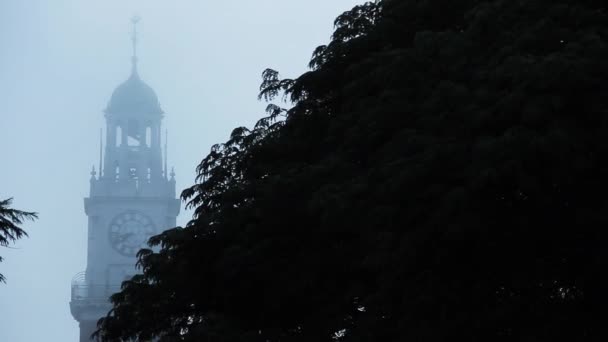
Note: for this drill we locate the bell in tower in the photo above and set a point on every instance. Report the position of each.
(131, 199)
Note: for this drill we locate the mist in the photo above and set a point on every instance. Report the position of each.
(60, 62)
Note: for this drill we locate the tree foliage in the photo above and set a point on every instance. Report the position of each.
(440, 174)
(10, 220)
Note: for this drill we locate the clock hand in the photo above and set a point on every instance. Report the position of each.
(124, 237)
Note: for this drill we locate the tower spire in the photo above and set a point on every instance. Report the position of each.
(166, 156)
(135, 20)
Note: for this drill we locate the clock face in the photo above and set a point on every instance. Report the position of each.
(130, 231)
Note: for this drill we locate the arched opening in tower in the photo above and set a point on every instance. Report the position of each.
(149, 136)
(133, 134)
(118, 136)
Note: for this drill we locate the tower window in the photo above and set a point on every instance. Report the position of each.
(117, 171)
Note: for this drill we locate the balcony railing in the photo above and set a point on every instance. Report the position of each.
(83, 292)
(93, 293)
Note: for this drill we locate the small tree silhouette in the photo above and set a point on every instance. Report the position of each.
(10, 220)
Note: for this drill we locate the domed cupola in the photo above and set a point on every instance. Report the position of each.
(133, 142)
(134, 97)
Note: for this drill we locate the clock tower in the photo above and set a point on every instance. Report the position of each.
(131, 199)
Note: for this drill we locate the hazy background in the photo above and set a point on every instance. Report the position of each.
(60, 62)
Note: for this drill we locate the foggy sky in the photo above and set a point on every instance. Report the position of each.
(60, 62)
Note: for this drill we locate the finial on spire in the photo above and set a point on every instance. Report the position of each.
(135, 20)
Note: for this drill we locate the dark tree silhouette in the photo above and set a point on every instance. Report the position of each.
(10, 219)
(439, 174)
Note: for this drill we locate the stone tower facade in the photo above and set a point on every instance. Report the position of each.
(131, 199)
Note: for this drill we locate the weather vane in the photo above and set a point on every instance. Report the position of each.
(135, 20)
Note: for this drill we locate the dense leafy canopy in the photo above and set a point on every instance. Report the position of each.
(440, 174)
(10, 220)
